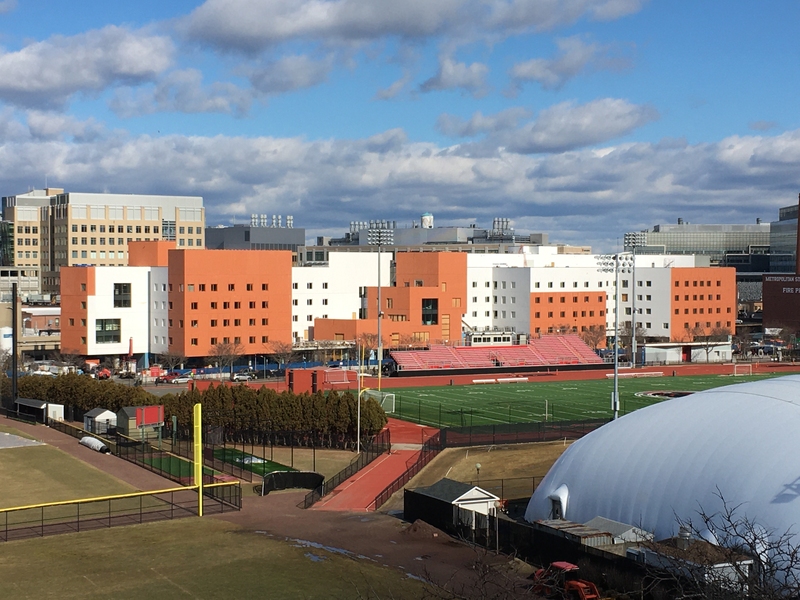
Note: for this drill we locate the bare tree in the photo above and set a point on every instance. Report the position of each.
(171, 359)
(226, 354)
(70, 358)
(710, 337)
(282, 351)
(626, 334)
(593, 336)
(747, 560)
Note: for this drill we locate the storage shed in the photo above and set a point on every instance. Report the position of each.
(140, 421)
(39, 409)
(99, 420)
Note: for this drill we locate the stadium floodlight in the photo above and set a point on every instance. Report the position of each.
(380, 236)
(615, 263)
(633, 240)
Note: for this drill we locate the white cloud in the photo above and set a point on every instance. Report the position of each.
(7, 6)
(253, 25)
(458, 75)
(588, 196)
(479, 123)
(290, 73)
(575, 56)
(394, 89)
(46, 74)
(567, 126)
(53, 126)
(182, 91)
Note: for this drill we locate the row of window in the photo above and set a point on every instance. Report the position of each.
(310, 302)
(295, 318)
(27, 229)
(694, 297)
(201, 287)
(27, 254)
(310, 286)
(563, 300)
(694, 284)
(502, 284)
(501, 314)
(562, 314)
(215, 322)
(226, 340)
(226, 305)
(27, 241)
(122, 229)
(708, 324)
(119, 254)
(695, 310)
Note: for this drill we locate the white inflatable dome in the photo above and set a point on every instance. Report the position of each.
(669, 460)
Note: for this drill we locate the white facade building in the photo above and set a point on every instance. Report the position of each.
(334, 290)
(128, 311)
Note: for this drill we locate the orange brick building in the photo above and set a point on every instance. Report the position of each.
(425, 304)
(557, 312)
(229, 296)
(703, 299)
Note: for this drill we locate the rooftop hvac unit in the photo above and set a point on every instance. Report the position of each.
(289, 221)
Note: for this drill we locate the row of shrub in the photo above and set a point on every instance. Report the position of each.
(243, 413)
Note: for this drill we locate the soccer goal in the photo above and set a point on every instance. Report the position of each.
(337, 376)
(385, 399)
(742, 370)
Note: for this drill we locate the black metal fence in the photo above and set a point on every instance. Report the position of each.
(518, 433)
(113, 511)
(378, 445)
(284, 480)
(429, 450)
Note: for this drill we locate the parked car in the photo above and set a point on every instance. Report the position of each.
(242, 377)
(181, 379)
(167, 378)
(127, 375)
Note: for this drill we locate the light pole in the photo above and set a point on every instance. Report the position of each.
(632, 240)
(618, 264)
(358, 425)
(380, 236)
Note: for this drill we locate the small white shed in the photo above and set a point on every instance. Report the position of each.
(99, 420)
(463, 495)
(40, 409)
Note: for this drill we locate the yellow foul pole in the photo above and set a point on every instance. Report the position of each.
(198, 456)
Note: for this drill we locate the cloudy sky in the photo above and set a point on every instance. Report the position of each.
(580, 118)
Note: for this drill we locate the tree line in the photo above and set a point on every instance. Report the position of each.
(243, 413)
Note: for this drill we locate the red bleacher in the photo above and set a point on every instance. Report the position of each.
(547, 350)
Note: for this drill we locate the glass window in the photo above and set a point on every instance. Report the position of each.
(107, 331)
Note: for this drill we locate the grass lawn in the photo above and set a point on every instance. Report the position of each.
(249, 462)
(496, 404)
(189, 558)
(37, 474)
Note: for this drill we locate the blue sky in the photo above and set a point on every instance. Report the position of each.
(580, 118)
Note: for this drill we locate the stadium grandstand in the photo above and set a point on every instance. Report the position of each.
(546, 352)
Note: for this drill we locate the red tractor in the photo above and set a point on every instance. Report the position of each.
(560, 580)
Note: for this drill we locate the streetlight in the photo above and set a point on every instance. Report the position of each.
(478, 469)
(616, 263)
(632, 240)
(380, 235)
(358, 426)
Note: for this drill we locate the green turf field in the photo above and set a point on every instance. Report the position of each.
(494, 404)
(175, 465)
(249, 462)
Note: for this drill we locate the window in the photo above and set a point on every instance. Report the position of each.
(194, 323)
(249, 287)
(237, 322)
(264, 339)
(231, 287)
(295, 302)
(237, 305)
(213, 305)
(294, 286)
(226, 322)
(252, 322)
(251, 305)
(226, 305)
(309, 302)
(213, 287)
(265, 321)
(294, 318)
(201, 287)
(213, 341)
(265, 304)
(213, 322)
(474, 284)
(265, 287)
(193, 342)
(193, 306)
(309, 317)
(107, 331)
(122, 295)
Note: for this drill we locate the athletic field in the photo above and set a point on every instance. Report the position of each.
(249, 462)
(503, 403)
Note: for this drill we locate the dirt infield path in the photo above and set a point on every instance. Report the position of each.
(141, 479)
(419, 550)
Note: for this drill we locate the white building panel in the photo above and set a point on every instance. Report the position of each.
(333, 290)
(118, 322)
